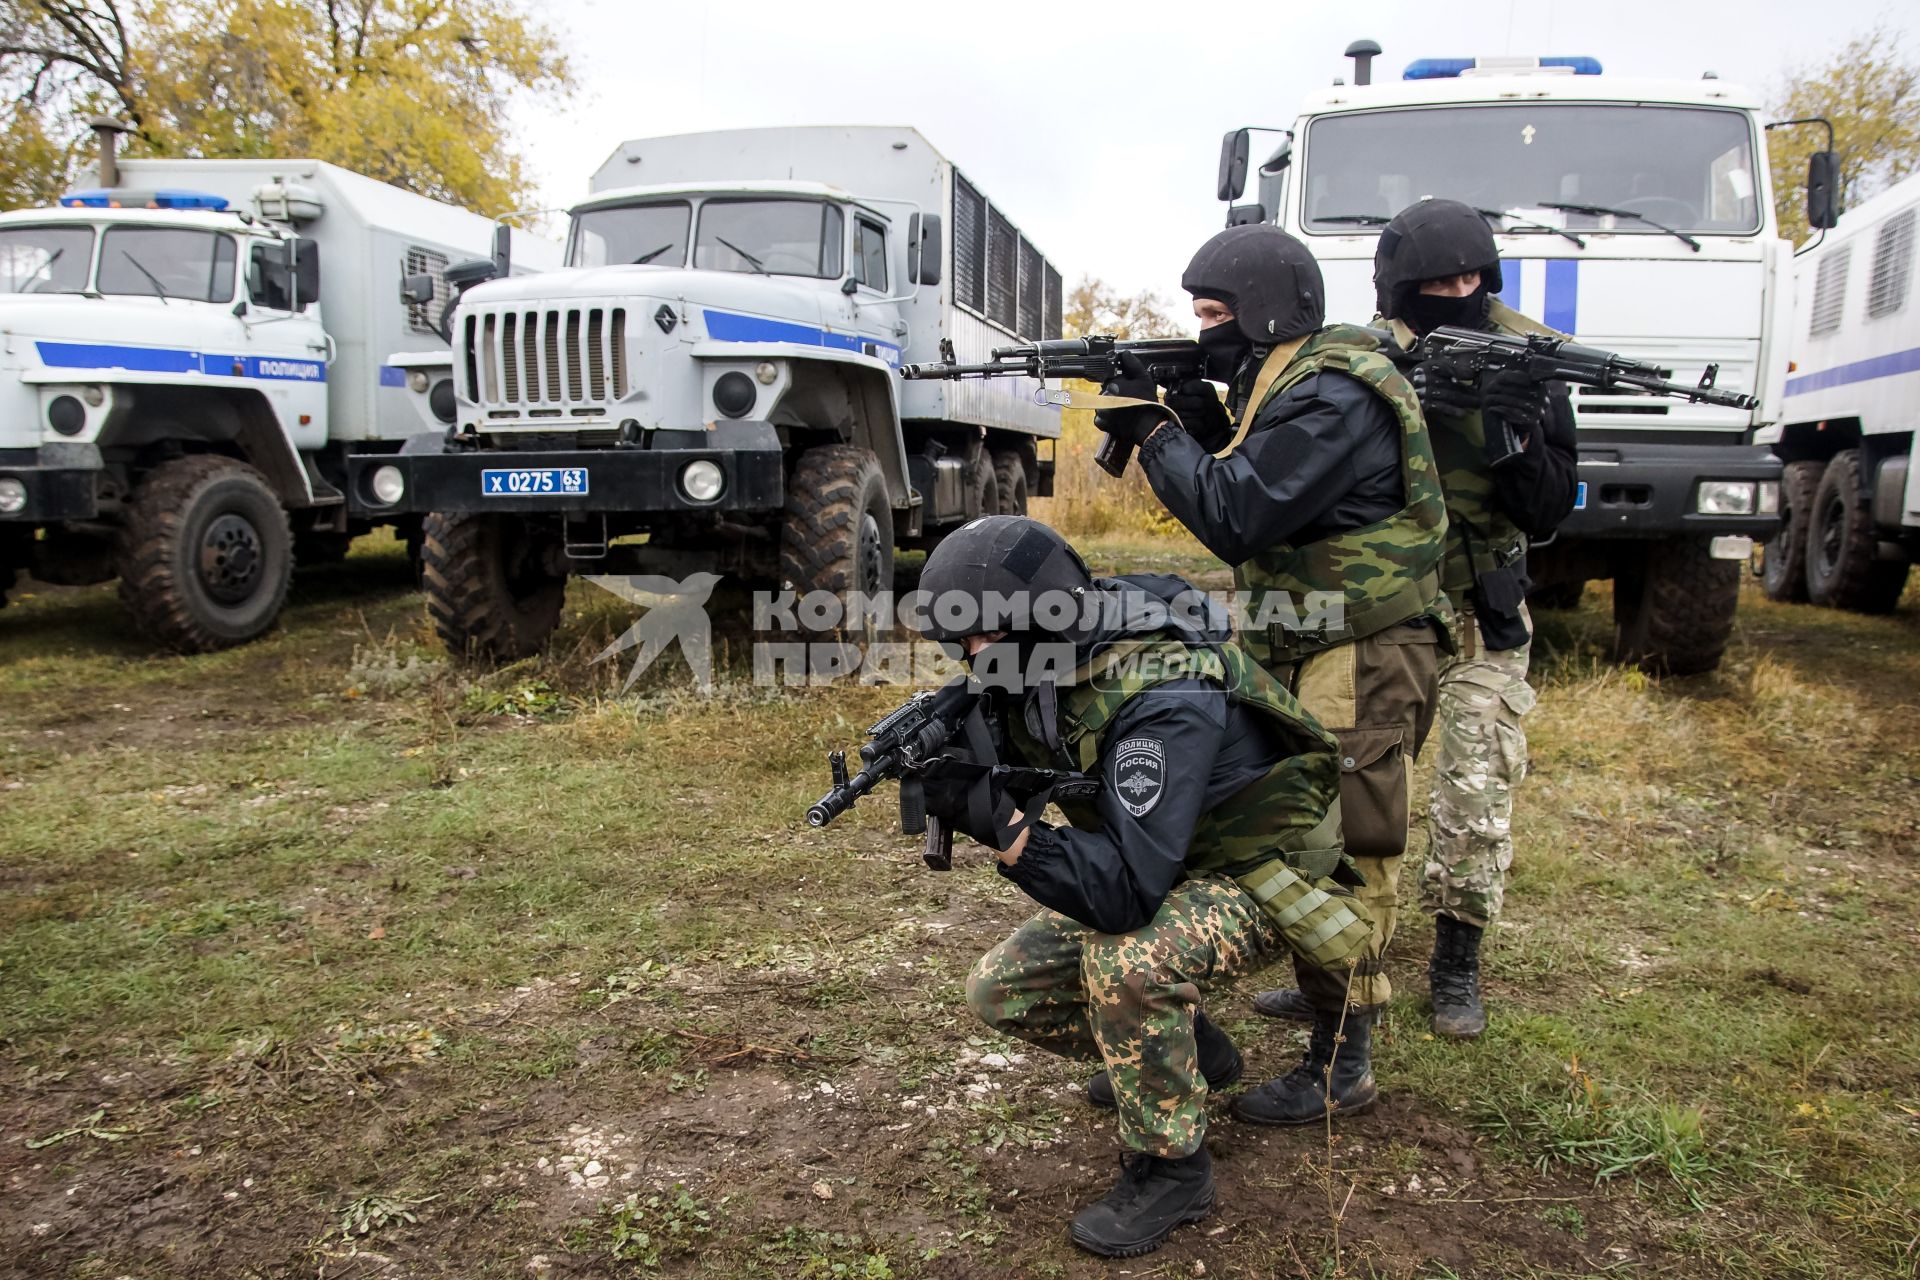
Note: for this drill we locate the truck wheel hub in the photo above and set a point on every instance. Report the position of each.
(871, 549)
(230, 558)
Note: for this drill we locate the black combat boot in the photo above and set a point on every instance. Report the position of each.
(1290, 1003)
(1220, 1062)
(1453, 976)
(1300, 1096)
(1155, 1194)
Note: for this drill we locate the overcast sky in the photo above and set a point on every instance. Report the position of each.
(1096, 127)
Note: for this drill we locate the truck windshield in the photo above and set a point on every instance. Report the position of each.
(1688, 168)
(168, 262)
(775, 237)
(632, 233)
(45, 259)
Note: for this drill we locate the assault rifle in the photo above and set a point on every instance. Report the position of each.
(1095, 359)
(905, 744)
(1473, 355)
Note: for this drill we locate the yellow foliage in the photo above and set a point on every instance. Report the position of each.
(412, 92)
(1870, 91)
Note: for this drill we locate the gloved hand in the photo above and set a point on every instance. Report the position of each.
(1520, 401)
(961, 794)
(1134, 423)
(1441, 396)
(1201, 413)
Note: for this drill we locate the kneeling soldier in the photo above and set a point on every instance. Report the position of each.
(1209, 847)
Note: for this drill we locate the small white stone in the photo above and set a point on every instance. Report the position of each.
(542, 1163)
(576, 1180)
(592, 1169)
(40, 1228)
(193, 1151)
(993, 1060)
(825, 1087)
(597, 1183)
(233, 1195)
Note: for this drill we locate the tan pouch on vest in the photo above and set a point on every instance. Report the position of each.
(1319, 917)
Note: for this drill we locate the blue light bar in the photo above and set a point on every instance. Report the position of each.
(166, 198)
(1448, 68)
(1436, 68)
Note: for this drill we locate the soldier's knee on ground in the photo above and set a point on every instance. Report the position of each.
(988, 999)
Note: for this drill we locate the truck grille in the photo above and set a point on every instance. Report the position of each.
(558, 360)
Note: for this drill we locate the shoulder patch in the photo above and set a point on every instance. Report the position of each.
(1139, 774)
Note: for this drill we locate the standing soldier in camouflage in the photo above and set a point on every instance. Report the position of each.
(1203, 843)
(1436, 265)
(1326, 489)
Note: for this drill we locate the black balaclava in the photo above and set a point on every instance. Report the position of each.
(1225, 346)
(1425, 312)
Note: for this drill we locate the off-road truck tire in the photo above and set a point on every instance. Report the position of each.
(1783, 557)
(206, 555)
(1010, 477)
(1844, 569)
(1673, 610)
(489, 590)
(837, 530)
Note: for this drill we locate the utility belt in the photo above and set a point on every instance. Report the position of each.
(1317, 914)
(1495, 600)
(1285, 644)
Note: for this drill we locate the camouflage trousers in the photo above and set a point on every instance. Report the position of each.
(1482, 758)
(1128, 999)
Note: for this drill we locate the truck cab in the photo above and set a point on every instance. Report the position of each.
(711, 383)
(1633, 214)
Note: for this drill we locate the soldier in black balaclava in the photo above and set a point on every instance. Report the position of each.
(1437, 265)
(1323, 491)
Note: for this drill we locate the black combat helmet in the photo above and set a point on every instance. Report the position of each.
(1431, 241)
(1022, 562)
(1267, 279)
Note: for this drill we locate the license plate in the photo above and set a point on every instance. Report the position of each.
(531, 481)
(1580, 496)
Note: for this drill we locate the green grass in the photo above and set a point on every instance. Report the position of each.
(374, 930)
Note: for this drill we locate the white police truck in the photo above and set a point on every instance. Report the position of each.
(1633, 214)
(712, 383)
(180, 398)
(1850, 430)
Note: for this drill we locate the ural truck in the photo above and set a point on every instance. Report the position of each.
(710, 385)
(1850, 431)
(1633, 214)
(183, 400)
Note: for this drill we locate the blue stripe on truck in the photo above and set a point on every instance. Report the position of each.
(1562, 310)
(1887, 366)
(88, 355)
(728, 326)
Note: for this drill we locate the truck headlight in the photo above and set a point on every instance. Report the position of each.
(702, 480)
(416, 380)
(442, 402)
(1725, 498)
(733, 394)
(388, 485)
(67, 415)
(767, 372)
(13, 496)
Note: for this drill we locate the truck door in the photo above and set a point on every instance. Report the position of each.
(288, 354)
(877, 323)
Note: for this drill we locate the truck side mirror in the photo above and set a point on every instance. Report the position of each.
(416, 290)
(1823, 189)
(923, 248)
(269, 278)
(1233, 165)
(306, 274)
(502, 251)
(1246, 215)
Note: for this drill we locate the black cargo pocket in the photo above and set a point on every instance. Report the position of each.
(1373, 792)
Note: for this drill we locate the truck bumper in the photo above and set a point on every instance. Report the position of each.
(61, 484)
(1633, 490)
(580, 481)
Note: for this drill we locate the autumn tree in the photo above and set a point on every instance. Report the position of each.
(412, 92)
(1870, 91)
(1093, 306)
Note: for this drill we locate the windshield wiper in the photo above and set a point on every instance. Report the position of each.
(152, 279)
(1364, 219)
(752, 261)
(649, 257)
(44, 269)
(1528, 222)
(1602, 211)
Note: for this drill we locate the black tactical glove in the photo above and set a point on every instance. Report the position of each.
(1520, 401)
(1441, 396)
(1202, 414)
(1134, 423)
(961, 794)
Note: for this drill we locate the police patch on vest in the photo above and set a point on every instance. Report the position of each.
(1140, 774)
